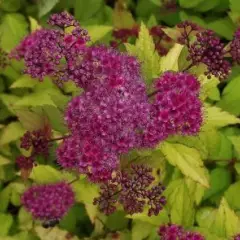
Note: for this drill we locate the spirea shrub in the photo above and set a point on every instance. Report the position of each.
(116, 114)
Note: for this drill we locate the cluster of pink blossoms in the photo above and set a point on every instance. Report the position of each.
(176, 232)
(113, 115)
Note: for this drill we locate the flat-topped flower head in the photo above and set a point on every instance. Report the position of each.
(170, 232)
(87, 157)
(113, 115)
(176, 108)
(46, 202)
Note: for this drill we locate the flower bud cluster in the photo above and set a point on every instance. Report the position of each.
(133, 190)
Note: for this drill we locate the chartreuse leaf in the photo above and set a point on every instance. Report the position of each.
(34, 24)
(216, 118)
(85, 191)
(5, 198)
(205, 232)
(208, 86)
(232, 195)
(12, 132)
(97, 32)
(170, 61)
(230, 96)
(46, 6)
(180, 203)
(25, 220)
(31, 120)
(187, 159)
(141, 230)
(161, 218)
(218, 145)
(12, 30)
(6, 221)
(196, 190)
(45, 174)
(222, 221)
(217, 186)
(25, 81)
(144, 50)
(9, 100)
(37, 99)
(235, 140)
(55, 234)
(4, 160)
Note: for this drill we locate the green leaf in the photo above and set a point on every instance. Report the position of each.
(54, 234)
(217, 118)
(236, 143)
(161, 218)
(12, 132)
(10, 5)
(70, 220)
(207, 5)
(207, 86)
(4, 161)
(25, 81)
(31, 120)
(234, 5)
(205, 216)
(226, 223)
(117, 221)
(46, 6)
(97, 32)
(170, 61)
(9, 101)
(5, 198)
(217, 186)
(223, 27)
(144, 50)
(25, 220)
(45, 174)
(56, 118)
(6, 221)
(12, 30)
(232, 195)
(230, 97)
(178, 197)
(37, 99)
(188, 160)
(85, 191)
(196, 190)
(85, 10)
(190, 4)
(141, 230)
(34, 24)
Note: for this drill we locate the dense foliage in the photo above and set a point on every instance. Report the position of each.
(119, 119)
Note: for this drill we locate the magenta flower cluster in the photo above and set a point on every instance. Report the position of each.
(46, 51)
(237, 237)
(176, 232)
(176, 108)
(46, 202)
(132, 189)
